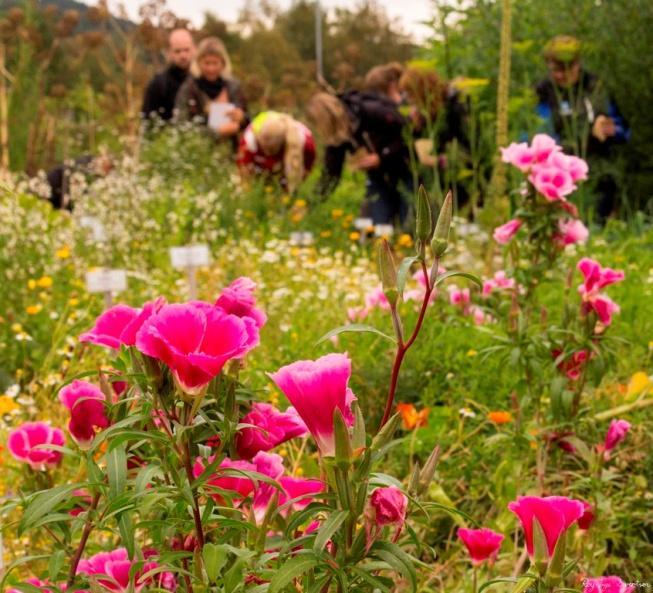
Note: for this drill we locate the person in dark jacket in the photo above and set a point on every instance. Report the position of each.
(371, 124)
(578, 111)
(59, 177)
(211, 95)
(160, 94)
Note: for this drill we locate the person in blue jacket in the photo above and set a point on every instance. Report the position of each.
(580, 113)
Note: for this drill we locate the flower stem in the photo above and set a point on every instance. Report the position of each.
(88, 527)
(197, 517)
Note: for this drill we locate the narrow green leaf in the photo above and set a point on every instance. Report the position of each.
(442, 277)
(402, 273)
(116, 470)
(328, 528)
(43, 503)
(354, 327)
(293, 568)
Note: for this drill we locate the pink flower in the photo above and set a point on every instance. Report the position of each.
(294, 488)
(86, 403)
(499, 282)
(238, 299)
(587, 518)
(574, 165)
(573, 365)
(417, 294)
(44, 586)
(555, 514)
(457, 297)
(110, 571)
(596, 277)
(28, 443)
(272, 428)
(119, 325)
(607, 585)
(553, 183)
(357, 313)
(236, 481)
(386, 506)
(270, 465)
(518, 155)
(376, 298)
(571, 231)
(543, 147)
(479, 316)
(316, 388)
(504, 233)
(604, 308)
(482, 544)
(196, 340)
(617, 432)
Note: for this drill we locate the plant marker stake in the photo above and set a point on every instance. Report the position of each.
(190, 258)
(106, 282)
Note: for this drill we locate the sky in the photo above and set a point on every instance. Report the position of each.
(408, 12)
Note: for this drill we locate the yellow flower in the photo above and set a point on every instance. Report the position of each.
(300, 472)
(472, 352)
(16, 328)
(73, 302)
(300, 203)
(337, 213)
(7, 405)
(355, 236)
(44, 296)
(500, 417)
(297, 217)
(63, 253)
(31, 284)
(285, 199)
(268, 189)
(405, 240)
(638, 384)
(33, 309)
(44, 282)
(325, 234)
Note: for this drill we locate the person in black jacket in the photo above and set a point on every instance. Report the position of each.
(370, 123)
(159, 99)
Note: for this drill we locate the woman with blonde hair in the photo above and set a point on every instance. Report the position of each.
(276, 145)
(211, 94)
(368, 123)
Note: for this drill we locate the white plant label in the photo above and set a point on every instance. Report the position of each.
(383, 230)
(95, 226)
(362, 224)
(190, 256)
(106, 281)
(302, 239)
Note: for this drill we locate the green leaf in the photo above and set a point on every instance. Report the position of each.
(43, 503)
(116, 470)
(215, 557)
(291, 570)
(354, 327)
(126, 528)
(55, 564)
(328, 528)
(399, 560)
(522, 583)
(402, 273)
(441, 278)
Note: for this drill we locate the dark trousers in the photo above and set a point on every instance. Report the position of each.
(385, 202)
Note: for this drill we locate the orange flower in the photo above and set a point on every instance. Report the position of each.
(500, 417)
(411, 417)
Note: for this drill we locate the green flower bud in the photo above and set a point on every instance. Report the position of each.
(440, 240)
(424, 219)
(388, 273)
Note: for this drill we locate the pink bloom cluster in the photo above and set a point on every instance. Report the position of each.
(86, 403)
(296, 493)
(461, 299)
(386, 506)
(111, 572)
(500, 281)
(316, 388)
(195, 340)
(617, 432)
(596, 279)
(30, 443)
(482, 544)
(573, 365)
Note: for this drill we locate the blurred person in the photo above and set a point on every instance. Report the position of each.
(370, 125)
(159, 99)
(211, 85)
(384, 80)
(578, 111)
(438, 115)
(59, 177)
(276, 145)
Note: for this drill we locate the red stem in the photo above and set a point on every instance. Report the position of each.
(402, 348)
(199, 531)
(88, 527)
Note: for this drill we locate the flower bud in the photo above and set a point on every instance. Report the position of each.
(388, 273)
(424, 219)
(387, 432)
(440, 240)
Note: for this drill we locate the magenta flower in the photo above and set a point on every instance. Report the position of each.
(519, 155)
(118, 326)
(270, 465)
(551, 182)
(596, 277)
(543, 148)
(459, 298)
(500, 281)
(270, 428)
(555, 514)
(482, 544)
(587, 518)
(376, 298)
(617, 432)
(294, 488)
(574, 165)
(44, 586)
(607, 585)
(86, 403)
(386, 506)
(504, 233)
(238, 299)
(29, 442)
(571, 231)
(316, 388)
(236, 482)
(604, 307)
(573, 365)
(196, 340)
(110, 572)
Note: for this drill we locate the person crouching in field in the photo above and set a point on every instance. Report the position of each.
(368, 123)
(277, 146)
(211, 95)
